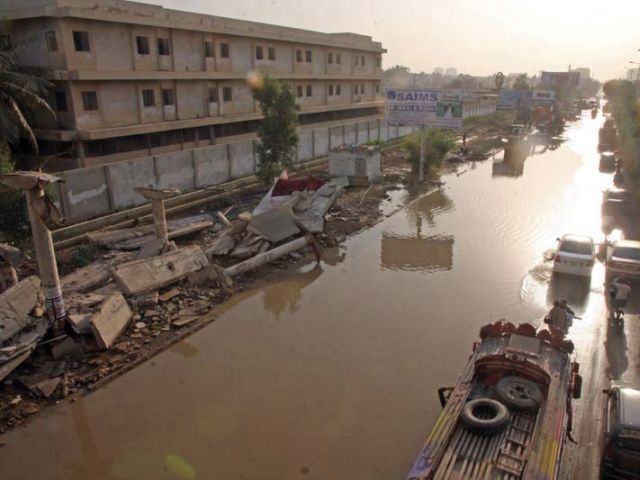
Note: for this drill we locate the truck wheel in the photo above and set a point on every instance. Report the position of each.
(519, 394)
(485, 416)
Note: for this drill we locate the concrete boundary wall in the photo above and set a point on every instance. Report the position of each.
(94, 191)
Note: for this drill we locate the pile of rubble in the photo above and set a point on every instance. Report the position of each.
(145, 285)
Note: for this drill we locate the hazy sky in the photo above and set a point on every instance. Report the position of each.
(475, 36)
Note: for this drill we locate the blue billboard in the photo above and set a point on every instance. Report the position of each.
(514, 99)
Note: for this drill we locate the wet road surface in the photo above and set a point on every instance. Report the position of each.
(330, 372)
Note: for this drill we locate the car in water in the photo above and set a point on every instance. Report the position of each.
(623, 258)
(607, 162)
(621, 439)
(615, 202)
(575, 255)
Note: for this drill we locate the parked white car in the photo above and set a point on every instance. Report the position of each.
(623, 258)
(575, 255)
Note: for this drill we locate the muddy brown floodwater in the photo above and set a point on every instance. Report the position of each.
(330, 372)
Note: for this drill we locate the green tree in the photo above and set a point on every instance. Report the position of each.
(437, 144)
(22, 96)
(521, 82)
(278, 130)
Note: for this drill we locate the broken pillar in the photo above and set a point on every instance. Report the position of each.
(43, 215)
(157, 197)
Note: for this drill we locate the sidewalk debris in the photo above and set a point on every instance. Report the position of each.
(141, 276)
(86, 278)
(108, 323)
(275, 225)
(15, 305)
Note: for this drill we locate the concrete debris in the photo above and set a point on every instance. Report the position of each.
(10, 254)
(80, 323)
(135, 238)
(275, 225)
(40, 384)
(15, 305)
(185, 317)
(86, 278)
(222, 246)
(67, 348)
(153, 247)
(141, 276)
(245, 216)
(108, 323)
(166, 296)
(145, 300)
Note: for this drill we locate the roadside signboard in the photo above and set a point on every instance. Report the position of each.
(560, 79)
(513, 99)
(424, 108)
(543, 96)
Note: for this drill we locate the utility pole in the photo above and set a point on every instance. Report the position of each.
(42, 214)
(157, 197)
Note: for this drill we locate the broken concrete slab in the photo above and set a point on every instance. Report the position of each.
(80, 323)
(141, 276)
(86, 278)
(275, 225)
(111, 320)
(185, 317)
(152, 248)
(15, 305)
(221, 246)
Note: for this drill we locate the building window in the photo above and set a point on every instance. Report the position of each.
(142, 44)
(361, 89)
(168, 98)
(61, 101)
(209, 51)
(81, 41)
(224, 50)
(362, 60)
(227, 94)
(89, 101)
(378, 61)
(330, 58)
(338, 58)
(213, 95)
(164, 47)
(148, 98)
(377, 88)
(338, 89)
(309, 90)
(50, 39)
(355, 89)
(272, 54)
(307, 56)
(298, 55)
(259, 53)
(331, 90)
(299, 91)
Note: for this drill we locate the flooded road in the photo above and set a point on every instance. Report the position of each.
(331, 372)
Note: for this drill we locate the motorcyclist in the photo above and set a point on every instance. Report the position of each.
(557, 318)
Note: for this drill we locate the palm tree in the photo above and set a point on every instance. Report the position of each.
(21, 96)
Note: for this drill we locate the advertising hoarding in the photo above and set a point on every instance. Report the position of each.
(424, 108)
(560, 79)
(543, 96)
(513, 99)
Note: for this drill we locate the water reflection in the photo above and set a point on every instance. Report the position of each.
(616, 347)
(428, 206)
(511, 165)
(285, 296)
(432, 253)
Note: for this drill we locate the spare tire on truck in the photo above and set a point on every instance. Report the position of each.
(519, 394)
(485, 416)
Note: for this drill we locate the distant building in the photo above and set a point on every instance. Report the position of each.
(438, 71)
(585, 73)
(632, 74)
(132, 80)
(451, 72)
